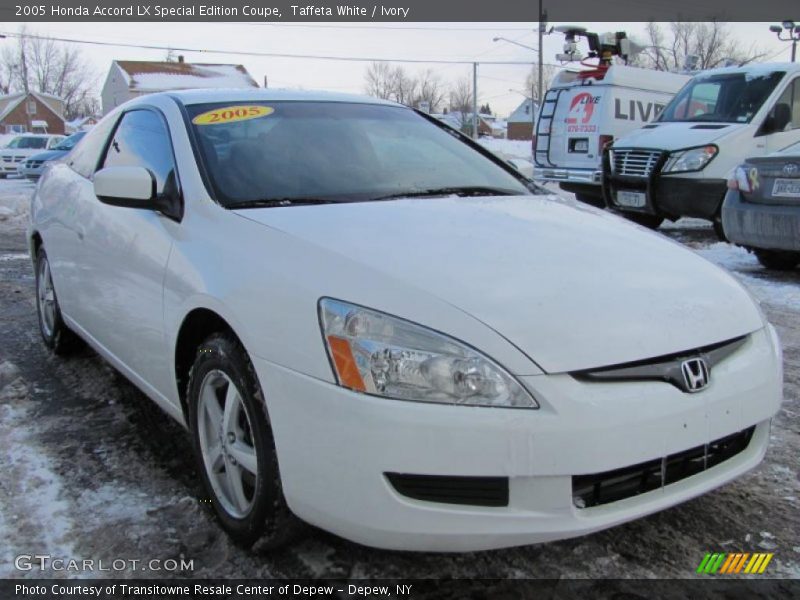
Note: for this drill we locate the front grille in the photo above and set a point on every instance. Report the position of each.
(474, 491)
(611, 486)
(33, 164)
(634, 163)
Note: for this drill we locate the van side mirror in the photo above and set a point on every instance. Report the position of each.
(135, 187)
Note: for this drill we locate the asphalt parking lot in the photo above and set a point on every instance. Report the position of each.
(92, 469)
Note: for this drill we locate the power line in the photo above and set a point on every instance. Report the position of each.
(264, 54)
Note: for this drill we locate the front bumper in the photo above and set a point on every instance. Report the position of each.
(545, 174)
(670, 196)
(9, 168)
(335, 447)
(761, 226)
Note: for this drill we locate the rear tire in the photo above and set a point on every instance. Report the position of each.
(234, 447)
(776, 260)
(645, 220)
(56, 335)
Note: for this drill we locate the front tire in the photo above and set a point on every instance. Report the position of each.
(234, 446)
(56, 335)
(645, 220)
(778, 261)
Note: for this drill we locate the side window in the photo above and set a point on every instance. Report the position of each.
(142, 140)
(85, 156)
(786, 112)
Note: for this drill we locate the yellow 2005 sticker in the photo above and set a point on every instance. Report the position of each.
(230, 114)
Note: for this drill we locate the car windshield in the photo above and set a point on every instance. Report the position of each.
(286, 152)
(28, 142)
(725, 98)
(69, 143)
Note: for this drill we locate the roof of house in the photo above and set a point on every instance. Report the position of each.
(14, 100)
(148, 76)
(522, 114)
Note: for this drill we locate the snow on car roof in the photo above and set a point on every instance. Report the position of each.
(272, 94)
(753, 70)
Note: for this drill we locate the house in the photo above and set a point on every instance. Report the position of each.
(463, 122)
(129, 79)
(520, 122)
(31, 112)
(81, 124)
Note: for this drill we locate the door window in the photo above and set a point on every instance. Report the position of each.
(142, 140)
(786, 112)
(84, 158)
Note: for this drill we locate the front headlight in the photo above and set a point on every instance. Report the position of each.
(378, 354)
(693, 159)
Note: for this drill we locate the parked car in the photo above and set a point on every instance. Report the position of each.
(32, 167)
(678, 165)
(761, 211)
(370, 323)
(22, 147)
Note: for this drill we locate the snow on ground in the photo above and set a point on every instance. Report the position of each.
(511, 148)
(31, 502)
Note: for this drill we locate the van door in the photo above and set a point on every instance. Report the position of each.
(784, 119)
(576, 127)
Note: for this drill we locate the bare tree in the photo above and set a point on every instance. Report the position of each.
(532, 81)
(430, 89)
(712, 43)
(41, 64)
(404, 87)
(379, 80)
(461, 101)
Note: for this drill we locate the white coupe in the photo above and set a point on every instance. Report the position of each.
(369, 323)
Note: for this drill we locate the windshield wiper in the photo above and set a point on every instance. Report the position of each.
(275, 202)
(451, 191)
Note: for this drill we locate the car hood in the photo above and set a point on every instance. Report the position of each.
(572, 287)
(48, 155)
(676, 135)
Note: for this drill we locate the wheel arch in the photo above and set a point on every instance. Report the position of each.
(198, 324)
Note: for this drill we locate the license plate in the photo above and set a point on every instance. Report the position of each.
(788, 188)
(632, 199)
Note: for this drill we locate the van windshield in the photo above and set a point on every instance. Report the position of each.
(288, 152)
(725, 98)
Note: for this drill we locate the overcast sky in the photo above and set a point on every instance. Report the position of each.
(442, 41)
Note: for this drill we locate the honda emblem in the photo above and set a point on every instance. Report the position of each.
(695, 374)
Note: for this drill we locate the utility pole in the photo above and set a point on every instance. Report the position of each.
(474, 101)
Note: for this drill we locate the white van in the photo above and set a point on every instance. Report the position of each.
(678, 165)
(583, 111)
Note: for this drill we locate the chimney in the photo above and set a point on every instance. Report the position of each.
(180, 58)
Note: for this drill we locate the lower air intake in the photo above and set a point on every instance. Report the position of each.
(611, 486)
(474, 491)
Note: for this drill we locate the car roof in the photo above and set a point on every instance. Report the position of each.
(203, 96)
(754, 69)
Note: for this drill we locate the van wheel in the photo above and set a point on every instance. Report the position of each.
(234, 446)
(596, 201)
(778, 261)
(56, 335)
(645, 220)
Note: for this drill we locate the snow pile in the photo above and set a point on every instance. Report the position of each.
(15, 203)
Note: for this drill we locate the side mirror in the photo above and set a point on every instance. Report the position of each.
(131, 187)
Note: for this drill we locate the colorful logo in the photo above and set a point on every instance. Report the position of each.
(732, 563)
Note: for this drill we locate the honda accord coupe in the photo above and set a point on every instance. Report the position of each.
(370, 324)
